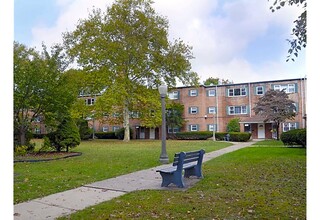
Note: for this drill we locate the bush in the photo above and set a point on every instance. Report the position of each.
(239, 136)
(193, 135)
(105, 135)
(84, 130)
(67, 135)
(233, 125)
(120, 133)
(20, 150)
(220, 135)
(294, 137)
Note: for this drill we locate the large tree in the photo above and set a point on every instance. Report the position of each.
(216, 81)
(299, 32)
(40, 89)
(126, 51)
(276, 107)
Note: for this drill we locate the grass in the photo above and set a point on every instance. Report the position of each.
(100, 159)
(251, 183)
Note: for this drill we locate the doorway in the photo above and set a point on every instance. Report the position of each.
(261, 131)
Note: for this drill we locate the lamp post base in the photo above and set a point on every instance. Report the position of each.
(164, 160)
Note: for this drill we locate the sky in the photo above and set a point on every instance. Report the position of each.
(238, 40)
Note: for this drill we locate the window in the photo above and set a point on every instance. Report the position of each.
(115, 128)
(173, 130)
(134, 114)
(173, 95)
(37, 131)
(212, 127)
(193, 127)
(211, 92)
(259, 90)
(89, 101)
(193, 110)
(237, 92)
(289, 126)
(105, 129)
(211, 110)
(237, 110)
(193, 92)
(288, 88)
(37, 119)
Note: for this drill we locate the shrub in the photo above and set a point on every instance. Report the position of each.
(239, 136)
(20, 150)
(233, 125)
(67, 135)
(105, 135)
(294, 137)
(120, 133)
(193, 135)
(84, 130)
(220, 135)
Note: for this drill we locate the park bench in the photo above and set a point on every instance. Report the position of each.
(189, 162)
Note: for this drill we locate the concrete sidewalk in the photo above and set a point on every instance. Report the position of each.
(65, 203)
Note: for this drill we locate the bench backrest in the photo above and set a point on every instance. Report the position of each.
(188, 157)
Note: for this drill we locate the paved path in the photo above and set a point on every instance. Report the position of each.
(65, 203)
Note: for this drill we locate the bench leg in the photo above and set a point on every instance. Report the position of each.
(175, 178)
(193, 171)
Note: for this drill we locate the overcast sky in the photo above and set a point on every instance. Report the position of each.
(239, 40)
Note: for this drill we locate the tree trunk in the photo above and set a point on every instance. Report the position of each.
(126, 124)
(22, 136)
(277, 127)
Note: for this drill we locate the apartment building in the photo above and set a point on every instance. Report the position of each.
(212, 107)
(208, 108)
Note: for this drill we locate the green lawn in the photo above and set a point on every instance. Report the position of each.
(101, 159)
(251, 183)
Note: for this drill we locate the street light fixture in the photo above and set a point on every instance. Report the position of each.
(163, 89)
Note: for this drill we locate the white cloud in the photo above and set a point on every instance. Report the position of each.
(219, 31)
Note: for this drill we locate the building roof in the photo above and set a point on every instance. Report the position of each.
(253, 120)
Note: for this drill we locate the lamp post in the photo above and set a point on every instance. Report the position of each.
(163, 93)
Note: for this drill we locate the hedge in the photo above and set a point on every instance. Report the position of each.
(105, 135)
(193, 135)
(204, 135)
(294, 137)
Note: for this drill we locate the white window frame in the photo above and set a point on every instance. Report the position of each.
(211, 110)
(288, 126)
(288, 88)
(259, 90)
(211, 92)
(234, 110)
(193, 110)
(105, 129)
(194, 127)
(115, 128)
(172, 130)
(173, 95)
(242, 92)
(193, 92)
(212, 126)
(90, 101)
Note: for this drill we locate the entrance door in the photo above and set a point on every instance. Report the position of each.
(142, 133)
(152, 133)
(261, 131)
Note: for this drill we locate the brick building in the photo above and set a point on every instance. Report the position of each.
(212, 107)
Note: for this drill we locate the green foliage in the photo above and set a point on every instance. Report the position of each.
(84, 130)
(120, 133)
(233, 125)
(106, 135)
(67, 135)
(20, 150)
(216, 81)
(220, 136)
(239, 136)
(299, 32)
(125, 50)
(193, 135)
(294, 137)
(174, 114)
(40, 89)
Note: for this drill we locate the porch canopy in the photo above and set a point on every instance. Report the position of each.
(253, 120)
